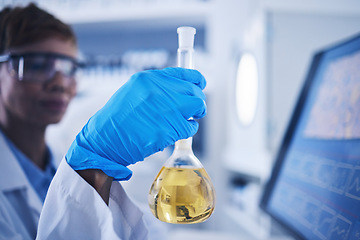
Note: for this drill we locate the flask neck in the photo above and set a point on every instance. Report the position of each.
(183, 155)
(184, 144)
(185, 58)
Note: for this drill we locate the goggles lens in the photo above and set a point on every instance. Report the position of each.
(42, 67)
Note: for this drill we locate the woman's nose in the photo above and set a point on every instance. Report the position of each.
(60, 82)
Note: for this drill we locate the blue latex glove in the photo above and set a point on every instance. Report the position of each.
(147, 114)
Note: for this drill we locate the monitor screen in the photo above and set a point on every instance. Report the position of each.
(314, 189)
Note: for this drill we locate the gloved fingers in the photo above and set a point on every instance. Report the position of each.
(184, 88)
(190, 75)
(188, 129)
(193, 128)
(197, 92)
(168, 82)
(193, 90)
(192, 107)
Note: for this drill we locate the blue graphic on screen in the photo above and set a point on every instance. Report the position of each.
(317, 191)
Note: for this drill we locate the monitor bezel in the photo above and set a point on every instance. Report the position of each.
(317, 60)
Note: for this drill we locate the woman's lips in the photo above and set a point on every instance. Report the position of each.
(54, 105)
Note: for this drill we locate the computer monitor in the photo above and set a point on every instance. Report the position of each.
(314, 188)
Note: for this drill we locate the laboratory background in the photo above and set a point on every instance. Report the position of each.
(255, 55)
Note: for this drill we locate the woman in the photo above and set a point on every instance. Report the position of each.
(85, 199)
(38, 55)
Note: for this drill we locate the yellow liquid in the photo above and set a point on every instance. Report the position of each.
(182, 195)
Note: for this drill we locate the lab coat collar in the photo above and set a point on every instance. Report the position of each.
(13, 177)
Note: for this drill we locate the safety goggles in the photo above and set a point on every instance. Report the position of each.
(40, 67)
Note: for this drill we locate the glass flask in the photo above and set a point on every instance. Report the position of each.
(182, 192)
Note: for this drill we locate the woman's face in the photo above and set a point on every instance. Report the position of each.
(40, 103)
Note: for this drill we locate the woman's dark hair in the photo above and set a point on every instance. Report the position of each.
(20, 26)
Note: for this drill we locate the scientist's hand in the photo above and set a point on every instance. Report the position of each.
(147, 114)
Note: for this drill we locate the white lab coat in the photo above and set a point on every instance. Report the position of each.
(72, 208)
(18, 219)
